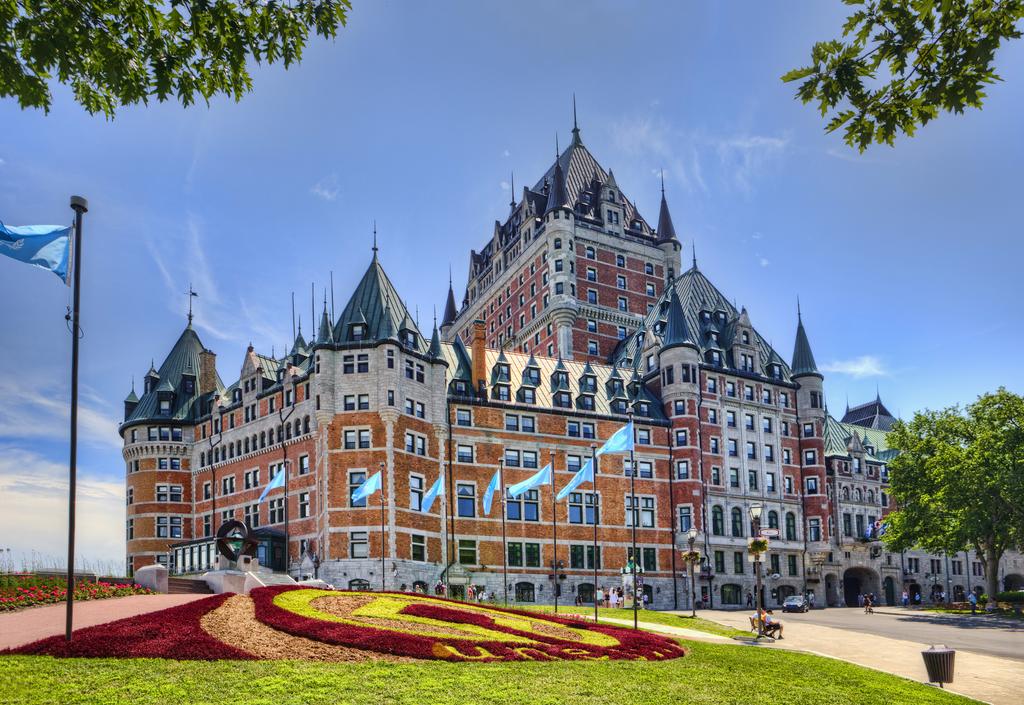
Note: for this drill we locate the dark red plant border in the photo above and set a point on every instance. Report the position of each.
(633, 645)
(173, 633)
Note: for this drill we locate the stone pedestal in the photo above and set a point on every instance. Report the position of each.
(153, 577)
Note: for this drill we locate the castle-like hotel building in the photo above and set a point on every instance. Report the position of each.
(577, 316)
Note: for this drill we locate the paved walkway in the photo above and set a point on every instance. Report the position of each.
(26, 626)
(987, 678)
(680, 632)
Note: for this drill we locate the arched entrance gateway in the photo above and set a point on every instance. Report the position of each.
(1013, 581)
(586, 592)
(859, 581)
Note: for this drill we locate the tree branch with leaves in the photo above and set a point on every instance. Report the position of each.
(114, 53)
(902, 62)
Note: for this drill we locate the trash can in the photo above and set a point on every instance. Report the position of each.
(939, 663)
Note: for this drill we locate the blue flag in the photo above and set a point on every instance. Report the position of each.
(46, 246)
(584, 474)
(366, 489)
(620, 442)
(436, 489)
(543, 477)
(492, 487)
(278, 481)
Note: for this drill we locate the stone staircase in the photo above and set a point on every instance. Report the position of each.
(187, 586)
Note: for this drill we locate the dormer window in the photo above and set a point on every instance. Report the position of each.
(502, 373)
(643, 409)
(588, 384)
(716, 358)
(619, 406)
(358, 331)
(165, 407)
(616, 387)
(531, 375)
(189, 386)
(721, 318)
(409, 339)
(586, 402)
(460, 386)
(705, 316)
(529, 396)
(561, 378)
(237, 395)
(745, 337)
(563, 399)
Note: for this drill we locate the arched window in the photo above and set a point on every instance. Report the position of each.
(737, 521)
(773, 519)
(717, 521)
(280, 435)
(858, 495)
(247, 445)
(298, 427)
(871, 496)
(288, 430)
(790, 526)
(202, 459)
(255, 438)
(846, 493)
(305, 424)
(263, 439)
(732, 594)
(525, 593)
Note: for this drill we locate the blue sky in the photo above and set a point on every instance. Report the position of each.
(906, 260)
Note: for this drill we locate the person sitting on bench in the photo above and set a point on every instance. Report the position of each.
(771, 625)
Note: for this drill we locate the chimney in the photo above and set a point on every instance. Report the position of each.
(207, 372)
(477, 350)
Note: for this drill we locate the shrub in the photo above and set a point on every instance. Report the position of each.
(18, 591)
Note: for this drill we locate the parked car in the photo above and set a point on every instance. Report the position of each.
(795, 603)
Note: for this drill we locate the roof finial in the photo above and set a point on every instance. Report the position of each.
(293, 316)
(663, 183)
(878, 395)
(798, 316)
(558, 151)
(512, 190)
(575, 123)
(300, 324)
(191, 294)
(449, 275)
(133, 384)
(375, 238)
(693, 247)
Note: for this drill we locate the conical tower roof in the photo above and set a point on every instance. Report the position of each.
(803, 358)
(558, 197)
(376, 303)
(666, 230)
(677, 332)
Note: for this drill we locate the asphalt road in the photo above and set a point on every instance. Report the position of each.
(994, 636)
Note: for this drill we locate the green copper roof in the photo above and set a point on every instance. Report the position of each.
(182, 360)
(838, 437)
(376, 302)
(803, 358)
(677, 333)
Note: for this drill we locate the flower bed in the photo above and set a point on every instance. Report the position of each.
(420, 627)
(21, 591)
(174, 633)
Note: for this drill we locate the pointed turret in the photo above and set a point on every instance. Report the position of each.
(435, 344)
(450, 311)
(325, 336)
(666, 230)
(130, 402)
(558, 197)
(375, 312)
(677, 332)
(803, 358)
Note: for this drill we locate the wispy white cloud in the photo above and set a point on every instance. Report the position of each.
(34, 408)
(327, 188)
(506, 153)
(505, 186)
(745, 157)
(763, 261)
(2, 161)
(699, 162)
(33, 522)
(863, 366)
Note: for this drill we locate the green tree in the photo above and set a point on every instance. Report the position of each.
(958, 481)
(904, 61)
(122, 52)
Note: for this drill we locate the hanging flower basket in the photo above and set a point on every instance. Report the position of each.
(691, 557)
(757, 545)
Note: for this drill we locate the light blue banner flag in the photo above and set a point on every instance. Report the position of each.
(543, 477)
(366, 489)
(620, 442)
(436, 490)
(46, 246)
(584, 474)
(492, 487)
(278, 481)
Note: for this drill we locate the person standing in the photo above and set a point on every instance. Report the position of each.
(750, 599)
(599, 596)
(906, 598)
(973, 599)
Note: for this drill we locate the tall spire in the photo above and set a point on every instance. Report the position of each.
(677, 333)
(693, 245)
(558, 197)
(512, 190)
(374, 239)
(191, 295)
(575, 124)
(666, 230)
(803, 358)
(450, 311)
(435, 341)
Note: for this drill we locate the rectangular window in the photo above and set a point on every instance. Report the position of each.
(685, 518)
(791, 565)
(303, 505)
(463, 417)
(358, 544)
(737, 562)
(467, 552)
(682, 469)
(719, 561)
(355, 480)
(582, 507)
(465, 454)
(277, 510)
(466, 495)
(415, 492)
(418, 547)
(644, 509)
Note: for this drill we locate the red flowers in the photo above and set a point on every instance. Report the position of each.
(495, 641)
(173, 633)
(30, 590)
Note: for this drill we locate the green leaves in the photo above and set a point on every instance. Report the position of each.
(906, 61)
(114, 53)
(958, 481)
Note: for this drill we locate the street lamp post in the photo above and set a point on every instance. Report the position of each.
(691, 538)
(755, 518)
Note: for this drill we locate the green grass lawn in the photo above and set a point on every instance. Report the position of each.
(710, 673)
(650, 617)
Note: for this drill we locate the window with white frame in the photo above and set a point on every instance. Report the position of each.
(642, 514)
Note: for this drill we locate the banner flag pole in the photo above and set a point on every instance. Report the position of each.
(593, 460)
(79, 205)
(504, 544)
(554, 530)
(635, 514)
